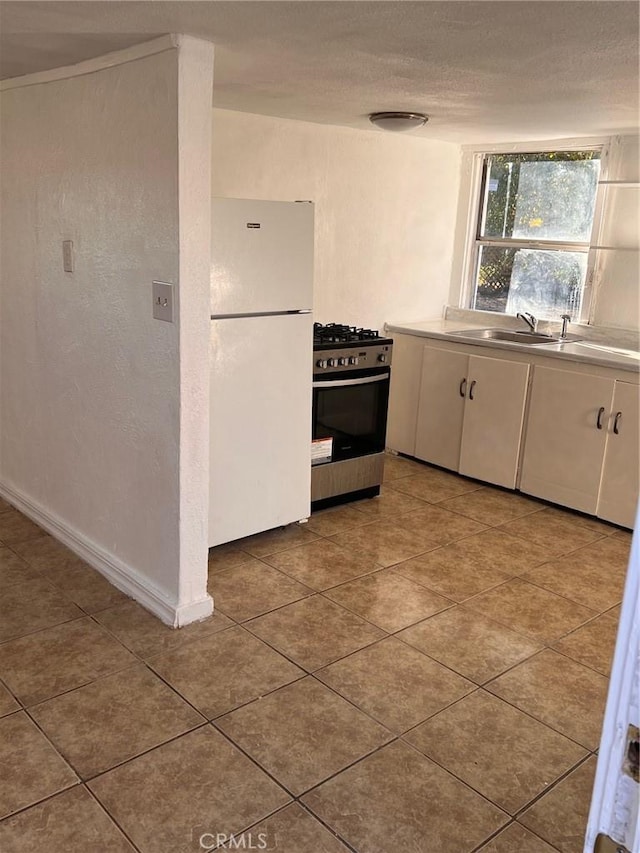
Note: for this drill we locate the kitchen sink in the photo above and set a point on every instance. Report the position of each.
(518, 337)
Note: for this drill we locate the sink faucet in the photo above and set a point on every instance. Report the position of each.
(529, 319)
(566, 319)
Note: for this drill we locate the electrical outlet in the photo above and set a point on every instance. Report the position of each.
(163, 301)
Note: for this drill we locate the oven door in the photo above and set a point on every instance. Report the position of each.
(350, 414)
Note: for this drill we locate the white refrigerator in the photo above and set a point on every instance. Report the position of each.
(260, 366)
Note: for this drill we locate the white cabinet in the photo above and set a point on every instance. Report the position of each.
(576, 453)
(406, 368)
(620, 473)
(579, 447)
(566, 436)
(441, 407)
(470, 414)
(493, 420)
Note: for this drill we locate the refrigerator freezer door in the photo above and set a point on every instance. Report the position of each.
(261, 256)
(260, 425)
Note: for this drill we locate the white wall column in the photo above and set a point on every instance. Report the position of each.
(195, 93)
(104, 408)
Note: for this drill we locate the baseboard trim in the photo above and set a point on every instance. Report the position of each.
(121, 575)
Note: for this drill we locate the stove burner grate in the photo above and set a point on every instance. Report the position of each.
(338, 333)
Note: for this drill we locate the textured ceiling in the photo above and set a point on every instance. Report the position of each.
(482, 71)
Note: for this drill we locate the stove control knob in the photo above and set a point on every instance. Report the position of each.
(321, 362)
(353, 359)
(343, 361)
(333, 362)
(382, 357)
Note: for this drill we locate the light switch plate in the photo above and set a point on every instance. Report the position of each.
(163, 301)
(67, 255)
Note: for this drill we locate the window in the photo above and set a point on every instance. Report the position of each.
(533, 231)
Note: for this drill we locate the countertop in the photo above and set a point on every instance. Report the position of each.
(597, 350)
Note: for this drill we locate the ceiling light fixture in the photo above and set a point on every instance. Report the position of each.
(398, 121)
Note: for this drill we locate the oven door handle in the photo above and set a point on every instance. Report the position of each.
(342, 383)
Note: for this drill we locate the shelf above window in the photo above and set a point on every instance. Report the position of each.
(615, 248)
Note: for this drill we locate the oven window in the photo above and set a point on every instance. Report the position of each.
(354, 416)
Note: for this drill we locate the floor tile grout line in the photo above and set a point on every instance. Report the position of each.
(95, 678)
(274, 609)
(325, 598)
(186, 641)
(327, 826)
(254, 699)
(51, 743)
(307, 671)
(562, 595)
(512, 822)
(516, 630)
(78, 784)
(93, 776)
(4, 684)
(396, 735)
(377, 568)
(553, 785)
(388, 631)
(282, 785)
(457, 778)
(111, 817)
(206, 723)
(208, 718)
(44, 573)
(84, 684)
(95, 681)
(529, 713)
(307, 811)
(582, 663)
(450, 667)
(76, 618)
(482, 688)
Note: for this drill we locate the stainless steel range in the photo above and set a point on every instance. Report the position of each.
(351, 376)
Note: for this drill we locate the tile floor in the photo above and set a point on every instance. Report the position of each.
(425, 671)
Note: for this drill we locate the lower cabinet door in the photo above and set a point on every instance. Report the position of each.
(404, 393)
(619, 485)
(565, 437)
(493, 418)
(441, 407)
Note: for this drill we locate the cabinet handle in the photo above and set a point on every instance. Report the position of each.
(471, 387)
(599, 418)
(463, 386)
(616, 422)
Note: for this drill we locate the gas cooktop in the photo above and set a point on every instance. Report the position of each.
(328, 335)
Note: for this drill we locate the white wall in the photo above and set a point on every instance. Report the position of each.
(93, 430)
(385, 209)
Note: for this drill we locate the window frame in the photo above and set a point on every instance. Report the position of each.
(476, 204)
